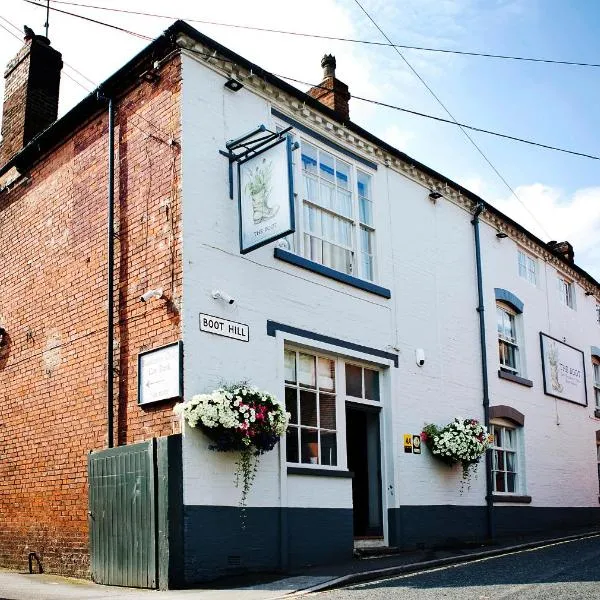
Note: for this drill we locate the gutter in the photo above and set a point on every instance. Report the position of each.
(484, 371)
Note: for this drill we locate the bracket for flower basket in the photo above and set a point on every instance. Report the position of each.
(247, 146)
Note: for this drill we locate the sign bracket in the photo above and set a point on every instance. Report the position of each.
(244, 148)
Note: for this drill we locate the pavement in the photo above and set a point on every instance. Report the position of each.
(25, 586)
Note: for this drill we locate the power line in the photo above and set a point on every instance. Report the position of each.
(395, 107)
(336, 38)
(463, 129)
(66, 64)
(156, 127)
(122, 29)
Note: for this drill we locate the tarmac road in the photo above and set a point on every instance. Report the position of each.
(560, 571)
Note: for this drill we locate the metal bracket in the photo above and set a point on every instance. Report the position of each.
(248, 148)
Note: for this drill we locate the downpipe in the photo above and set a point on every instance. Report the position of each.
(484, 372)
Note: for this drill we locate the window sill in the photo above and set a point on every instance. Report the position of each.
(315, 267)
(515, 379)
(316, 472)
(511, 498)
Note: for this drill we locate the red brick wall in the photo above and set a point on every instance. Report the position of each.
(53, 278)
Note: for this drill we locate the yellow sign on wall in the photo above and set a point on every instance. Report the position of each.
(408, 442)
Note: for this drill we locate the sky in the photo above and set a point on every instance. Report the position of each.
(558, 194)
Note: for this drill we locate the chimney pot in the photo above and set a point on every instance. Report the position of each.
(565, 249)
(332, 92)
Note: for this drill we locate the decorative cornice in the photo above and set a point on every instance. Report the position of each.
(338, 132)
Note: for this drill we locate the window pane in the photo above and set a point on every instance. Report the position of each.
(327, 195)
(344, 203)
(509, 438)
(366, 240)
(328, 448)
(499, 482)
(292, 444)
(371, 384)
(309, 446)
(510, 482)
(500, 460)
(291, 404)
(366, 266)
(290, 366)
(313, 248)
(510, 461)
(364, 185)
(327, 408)
(342, 172)
(354, 381)
(365, 211)
(311, 188)
(309, 158)
(308, 408)
(326, 375)
(497, 436)
(326, 166)
(337, 258)
(306, 370)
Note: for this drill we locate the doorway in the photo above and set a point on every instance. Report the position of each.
(364, 460)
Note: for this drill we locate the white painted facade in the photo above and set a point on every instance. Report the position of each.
(425, 256)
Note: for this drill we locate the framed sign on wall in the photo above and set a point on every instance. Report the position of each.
(266, 196)
(160, 374)
(563, 368)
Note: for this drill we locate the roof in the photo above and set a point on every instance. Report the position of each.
(159, 48)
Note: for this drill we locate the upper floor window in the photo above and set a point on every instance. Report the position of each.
(337, 226)
(596, 367)
(508, 345)
(527, 267)
(566, 290)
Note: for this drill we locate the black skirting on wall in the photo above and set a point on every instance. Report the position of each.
(219, 542)
(449, 525)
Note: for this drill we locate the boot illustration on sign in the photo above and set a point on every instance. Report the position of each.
(553, 360)
(259, 189)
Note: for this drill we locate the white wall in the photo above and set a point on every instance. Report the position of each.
(426, 258)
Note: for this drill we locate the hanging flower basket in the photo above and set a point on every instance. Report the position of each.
(238, 418)
(462, 441)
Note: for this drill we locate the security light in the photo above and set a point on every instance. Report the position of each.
(233, 84)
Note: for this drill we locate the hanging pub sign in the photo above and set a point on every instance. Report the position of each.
(564, 370)
(265, 186)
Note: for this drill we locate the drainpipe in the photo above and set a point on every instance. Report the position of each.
(484, 372)
(110, 283)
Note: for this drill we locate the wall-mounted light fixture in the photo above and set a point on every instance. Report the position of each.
(501, 235)
(2, 336)
(233, 84)
(434, 196)
(588, 293)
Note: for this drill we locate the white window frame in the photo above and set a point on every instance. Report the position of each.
(518, 457)
(596, 381)
(527, 266)
(566, 291)
(340, 402)
(298, 245)
(513, 342)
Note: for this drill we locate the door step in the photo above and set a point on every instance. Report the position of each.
(372, 548)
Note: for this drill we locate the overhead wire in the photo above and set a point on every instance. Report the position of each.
(398, 108)
(87, 89)
(447, 111)
(335, 38)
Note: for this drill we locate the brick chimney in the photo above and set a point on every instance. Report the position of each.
(332, 92)
(564, 249)
(32, 79)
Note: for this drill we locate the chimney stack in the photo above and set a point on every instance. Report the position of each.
(32, 80)
(332, 92)
(565, 249)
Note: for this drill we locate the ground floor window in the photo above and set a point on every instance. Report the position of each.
(505, 467)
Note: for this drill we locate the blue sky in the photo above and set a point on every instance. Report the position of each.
(552, 104)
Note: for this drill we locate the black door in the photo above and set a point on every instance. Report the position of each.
(364, 460)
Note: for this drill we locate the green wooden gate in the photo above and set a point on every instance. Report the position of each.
(122, 515)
